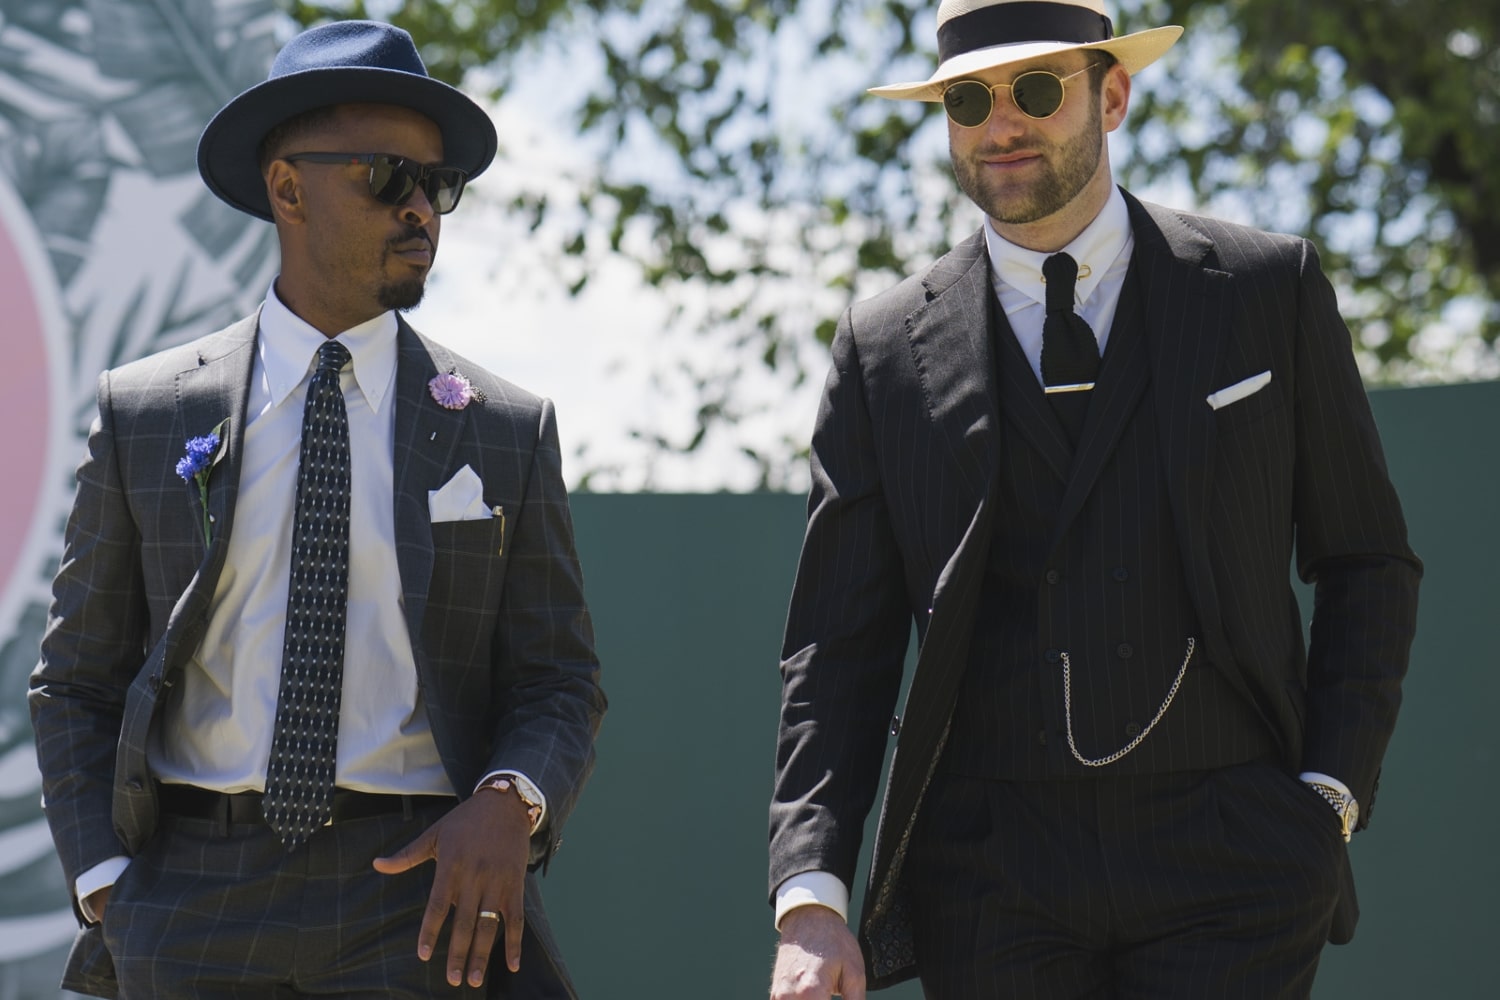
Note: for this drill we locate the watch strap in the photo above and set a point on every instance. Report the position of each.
(509, 782)
(1342, 802)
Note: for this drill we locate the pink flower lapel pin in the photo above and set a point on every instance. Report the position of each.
(453, 390)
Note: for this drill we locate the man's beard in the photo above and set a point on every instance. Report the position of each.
(402, 295)
(407, 294)
(1062, 175)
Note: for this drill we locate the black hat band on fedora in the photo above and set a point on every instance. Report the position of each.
(1010, 23)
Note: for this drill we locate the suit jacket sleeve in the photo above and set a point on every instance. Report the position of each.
(545, 664)
(846, 637)
(94, 645)
(1352, 545)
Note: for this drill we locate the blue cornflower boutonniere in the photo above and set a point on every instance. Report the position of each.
(453, 390)
(203, 453)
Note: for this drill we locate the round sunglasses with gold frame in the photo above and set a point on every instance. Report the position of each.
(1038, 94)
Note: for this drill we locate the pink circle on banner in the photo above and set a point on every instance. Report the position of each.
(25, 406)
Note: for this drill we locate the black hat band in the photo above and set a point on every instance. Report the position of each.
(1009, 23)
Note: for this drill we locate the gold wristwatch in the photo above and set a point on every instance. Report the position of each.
(524, 790)
(1343, 803)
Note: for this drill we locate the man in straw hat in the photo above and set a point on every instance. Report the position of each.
(319, 619)
(1080, 452)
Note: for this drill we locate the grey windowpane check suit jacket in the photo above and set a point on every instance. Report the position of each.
(900, 516)
(502, 638)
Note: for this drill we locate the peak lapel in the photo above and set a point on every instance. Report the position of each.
(1188, 310)
(953, 353)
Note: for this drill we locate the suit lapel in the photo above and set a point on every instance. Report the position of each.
(216, 390)
(952, 350)
(1187, 305)
(426, 441)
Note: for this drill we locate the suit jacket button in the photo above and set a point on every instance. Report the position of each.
(1132, 729)
(1053, 576)
(895, 725)
(1052, 656)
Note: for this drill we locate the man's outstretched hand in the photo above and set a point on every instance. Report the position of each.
(481, 848)
(818, 957)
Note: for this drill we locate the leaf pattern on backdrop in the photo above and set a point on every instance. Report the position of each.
(101, 105)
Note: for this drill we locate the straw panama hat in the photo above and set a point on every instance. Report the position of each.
(344, 62)
(976, 35)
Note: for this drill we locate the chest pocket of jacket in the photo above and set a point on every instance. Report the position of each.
(468, 560)
(1254, 406)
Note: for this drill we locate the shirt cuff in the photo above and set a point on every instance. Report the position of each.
(1324, 779)
(103, 874)
(812, 889)
(528, 789)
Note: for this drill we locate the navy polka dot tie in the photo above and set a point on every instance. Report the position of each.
(299, 779)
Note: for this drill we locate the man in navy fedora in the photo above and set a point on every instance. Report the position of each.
(318, 690)
(1079, 455)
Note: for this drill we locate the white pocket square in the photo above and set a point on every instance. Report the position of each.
(1238, 391)
(460, 499)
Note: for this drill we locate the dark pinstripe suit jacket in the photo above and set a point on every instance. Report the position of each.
(503, 641)
(900, 516)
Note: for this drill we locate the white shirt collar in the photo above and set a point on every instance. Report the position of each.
(288, 348)
(1096, 248)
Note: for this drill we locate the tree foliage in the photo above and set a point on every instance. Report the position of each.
(759, 189)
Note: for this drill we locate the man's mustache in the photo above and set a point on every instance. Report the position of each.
(410, 234)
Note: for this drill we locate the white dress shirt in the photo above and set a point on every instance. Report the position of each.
(216, 732)
(1103, 252)
(217, 727)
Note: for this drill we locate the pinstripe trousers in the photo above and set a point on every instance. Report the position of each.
(1195, 884)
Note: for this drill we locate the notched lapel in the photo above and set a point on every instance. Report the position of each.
(953, 355)
(427, 437)
(214, 392)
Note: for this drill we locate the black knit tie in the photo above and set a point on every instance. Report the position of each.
(1070, 354)
(299, 780)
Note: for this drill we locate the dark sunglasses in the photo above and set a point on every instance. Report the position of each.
(393, 179)
(1039, 94)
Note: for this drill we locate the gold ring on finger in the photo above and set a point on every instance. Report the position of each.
(488, 915)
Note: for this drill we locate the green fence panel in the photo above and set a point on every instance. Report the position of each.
(660, 889)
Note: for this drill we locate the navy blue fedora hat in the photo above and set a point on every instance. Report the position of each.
(344, 62)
